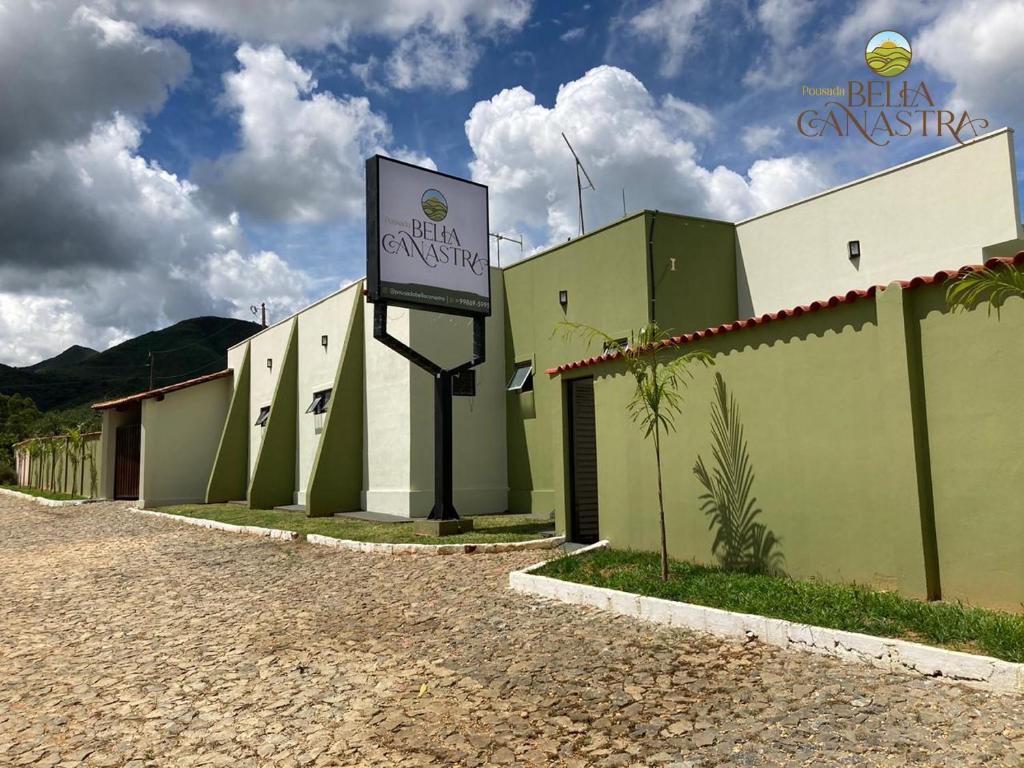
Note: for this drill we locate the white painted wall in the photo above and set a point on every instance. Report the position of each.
(236, 355)
(317, 368)
(934, 213)
(399, 415)
(480, 474)
(180, 436)
(270, 343)
(387, 423)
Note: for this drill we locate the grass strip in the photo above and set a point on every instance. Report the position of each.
(42, 494)
(849, 607)
(487, 528)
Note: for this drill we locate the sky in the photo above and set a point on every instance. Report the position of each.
(164, 159)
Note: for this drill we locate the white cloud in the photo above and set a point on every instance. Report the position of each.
(694, 120)
(760, 137)
(63, 326)
(317, 23)
(66, 65)
(787, 57)
(425, 59)
(626, 140)
(100, 244)
(977, 46)
(673, 25)
(302, 150)
(782, 19)
(871, 16)
(571, 35)
(264, 276)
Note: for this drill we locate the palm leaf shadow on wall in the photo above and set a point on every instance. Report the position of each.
(742, 543)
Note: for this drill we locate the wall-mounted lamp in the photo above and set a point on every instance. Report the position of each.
(853, 248)
(563, 298)
(323, 341)
(270, 363)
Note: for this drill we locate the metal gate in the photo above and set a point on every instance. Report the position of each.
(583, 523)
(126, 461)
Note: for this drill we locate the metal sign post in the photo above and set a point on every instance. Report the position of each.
(428, 249)
(444, 506)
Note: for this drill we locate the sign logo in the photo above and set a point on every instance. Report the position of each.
(434, 205)
(888, 53)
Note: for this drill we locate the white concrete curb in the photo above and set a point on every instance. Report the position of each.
(41, 500)
(363, 546)
(885, 653)
(435, 549)
(270, 533)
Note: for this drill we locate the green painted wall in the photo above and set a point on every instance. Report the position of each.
(607, 278)
(337, 476)
(973, 370)
(698, 289)
(830, 449)
(273, 479)
(229, 477)
(883, 436)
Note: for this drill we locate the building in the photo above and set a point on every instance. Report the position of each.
(315, 414)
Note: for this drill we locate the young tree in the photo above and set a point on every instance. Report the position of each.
(990, 285)
(657, 395)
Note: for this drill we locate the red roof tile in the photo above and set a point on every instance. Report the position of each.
(162, 390)
(782, 314)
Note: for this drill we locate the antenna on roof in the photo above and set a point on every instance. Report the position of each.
(261, 312)
(499, 237)
(579, 184)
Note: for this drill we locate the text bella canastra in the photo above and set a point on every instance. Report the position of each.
(882, 110)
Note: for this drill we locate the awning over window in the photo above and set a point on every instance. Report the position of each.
(320, 401)
(522, 379)
(261, 420)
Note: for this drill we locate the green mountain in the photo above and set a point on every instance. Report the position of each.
(80, 376)
(71, 356)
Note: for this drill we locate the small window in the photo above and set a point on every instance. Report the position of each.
(464, 384)
(320, 401)
(522, 378)
(615, 345)
(261, 420)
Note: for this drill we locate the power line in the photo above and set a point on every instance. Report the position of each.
(188, 373)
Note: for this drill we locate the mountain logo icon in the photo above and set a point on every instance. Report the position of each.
(434, 205)
(888, 53)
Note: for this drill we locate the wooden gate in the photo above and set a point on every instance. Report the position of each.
(583, 522)
(126, 461)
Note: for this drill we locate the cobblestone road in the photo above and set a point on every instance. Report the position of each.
(130, 641)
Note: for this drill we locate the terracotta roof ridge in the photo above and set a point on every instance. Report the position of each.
(139, 396)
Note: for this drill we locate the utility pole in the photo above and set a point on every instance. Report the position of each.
(152, 365)
(260, 313)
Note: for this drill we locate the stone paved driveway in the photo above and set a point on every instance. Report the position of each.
(126, 640)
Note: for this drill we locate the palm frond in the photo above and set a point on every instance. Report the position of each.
(991, 286)
(740, 541)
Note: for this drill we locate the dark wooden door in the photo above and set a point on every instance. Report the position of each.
(583, 526)
(126, 461)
